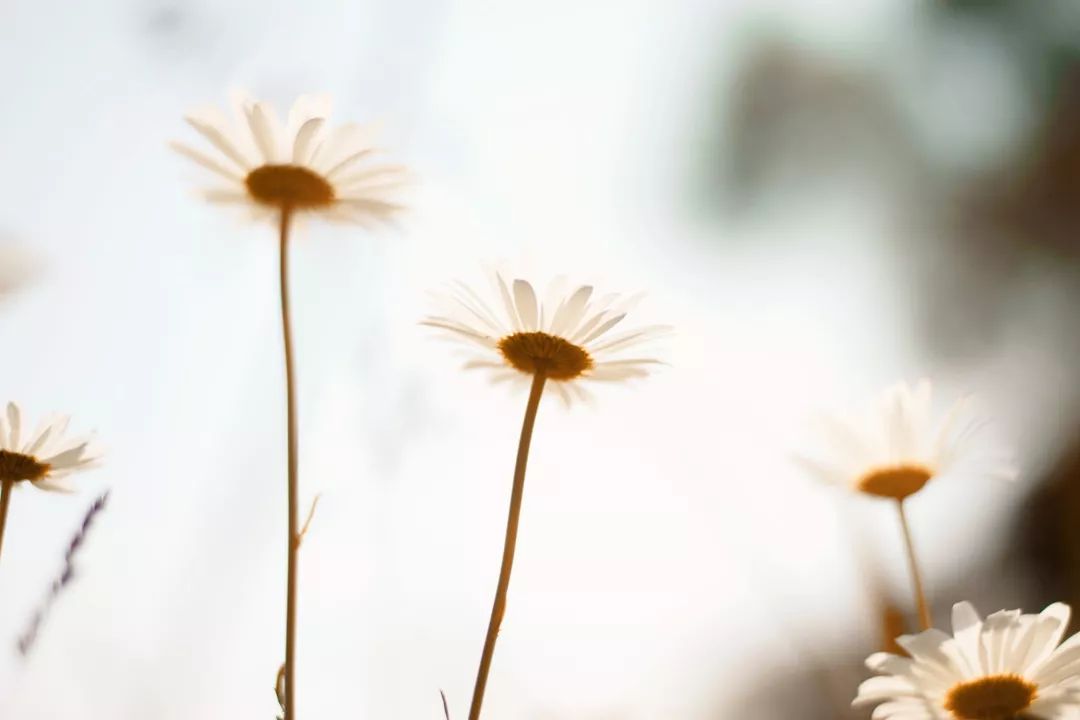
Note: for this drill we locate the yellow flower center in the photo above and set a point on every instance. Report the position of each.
(895, 482)
(995, 697)
(536, 352)
(16, 466)
(291, 185)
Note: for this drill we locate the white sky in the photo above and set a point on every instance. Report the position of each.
(664, 529)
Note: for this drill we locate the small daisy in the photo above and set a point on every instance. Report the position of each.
(299, 166)
(900, 447)
(42, 458)
(897, 450)
(1007, 666)
(566, 339)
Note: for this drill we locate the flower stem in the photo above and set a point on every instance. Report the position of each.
(293, 545)
(498, 609)
(5, 500)
(916, 576)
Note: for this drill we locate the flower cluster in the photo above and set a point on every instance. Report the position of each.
(1009, 665)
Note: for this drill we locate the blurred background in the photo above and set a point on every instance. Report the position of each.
(823, 197)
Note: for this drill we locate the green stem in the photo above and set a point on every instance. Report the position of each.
(498, 609)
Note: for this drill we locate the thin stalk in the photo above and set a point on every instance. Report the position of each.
(498, 608)
(916, 576)
(5, 500)
(294, 510)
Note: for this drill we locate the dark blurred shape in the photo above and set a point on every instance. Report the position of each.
(164, 19)
(1048, 530)
(813, 691)
(796, 118)
(972, 235)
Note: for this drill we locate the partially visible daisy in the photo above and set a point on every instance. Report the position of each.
(897, 449)
(569, 337)
(45, 457)
(1007, 666)
(894, 451)
(301, 165)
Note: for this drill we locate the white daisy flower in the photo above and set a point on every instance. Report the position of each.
(568, 337)
(900, 446)
(43, 458)
(1007, 666)
(302, 165)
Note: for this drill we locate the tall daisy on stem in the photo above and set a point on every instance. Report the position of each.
(42, 458)
(899, 448)
(279, 173)
(554, 345)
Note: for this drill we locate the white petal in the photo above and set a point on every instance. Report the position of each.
(206, 161)
(262, 131)
(305, 138)
(560, 389)
(226, 197)
(347, 162)
(371, 206)
(481, 308)
(604, 327)
(364, 177)
(884, 687)
(508, 304)
(587, 326)
(525, 302)
(69, 457)
(219, 139)
(821, 471)
(14, 418)
(52, 485)
(569, 314)
(308, 107)
(623, 341)
(967, 629)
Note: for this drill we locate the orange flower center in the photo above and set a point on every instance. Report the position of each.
(16, 466)
(895, 482)
(291, 185)
(535, 352)
(995, 697)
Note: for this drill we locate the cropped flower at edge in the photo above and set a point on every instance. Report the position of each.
(900, 447)
(43, 458)
(1007, 666)
(302, 166)
(568, 337)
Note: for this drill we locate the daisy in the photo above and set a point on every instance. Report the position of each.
(43, 458)
(278, 170)
(1007, 666)
(301, 165)
(899, 448)
(566, 339)
(551, 344)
